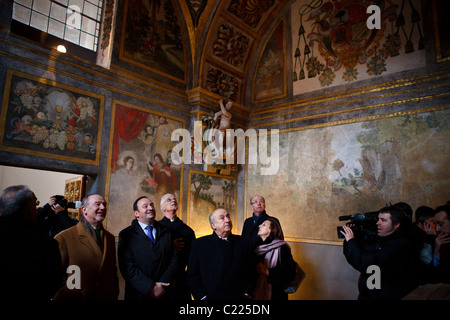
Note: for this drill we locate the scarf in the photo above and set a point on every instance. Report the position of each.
(271, 251)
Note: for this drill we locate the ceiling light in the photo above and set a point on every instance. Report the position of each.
(61, 48)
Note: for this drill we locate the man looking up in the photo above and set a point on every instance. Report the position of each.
(147, 258)
(251, 224)
(182, 236)
(220, 265)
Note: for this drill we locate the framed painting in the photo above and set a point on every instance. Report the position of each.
(139, 162)
(75, 190)
(152, 38)
(208, 192)
(46, 119)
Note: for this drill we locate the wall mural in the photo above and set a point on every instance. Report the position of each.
(355, 168)
(152, 39)
(43, 118)
(333, 45)
(207, 192)
(139, 162)
(270, 75)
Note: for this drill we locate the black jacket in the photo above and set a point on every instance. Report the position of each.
(30, 263)
(181, 230)
(143, 263)
(396, 258)
(250, 228)
(220, 269)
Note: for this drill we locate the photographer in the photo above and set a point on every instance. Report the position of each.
(391, 251)
(54, 217)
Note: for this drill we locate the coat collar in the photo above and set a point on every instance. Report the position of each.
(86, 239)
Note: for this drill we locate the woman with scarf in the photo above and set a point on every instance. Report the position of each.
(276, 267)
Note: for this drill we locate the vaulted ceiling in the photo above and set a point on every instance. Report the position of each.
(227, 38)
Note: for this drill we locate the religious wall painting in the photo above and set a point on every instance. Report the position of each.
(269, 80)
(139, 162)
(47, 119)
(208, 192)
(152, 38)
(333, 44)
(357, 167)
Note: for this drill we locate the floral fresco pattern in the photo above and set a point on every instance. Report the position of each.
(45, 118)
(223, 84)
(335, 42)
(231, 45)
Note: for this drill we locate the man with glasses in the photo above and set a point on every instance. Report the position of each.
(182, 236)
(251, 224)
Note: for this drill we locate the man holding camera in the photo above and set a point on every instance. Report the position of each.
(391, 252)
(53, 217)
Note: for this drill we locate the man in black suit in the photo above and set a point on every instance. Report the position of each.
(251, 224)
(147, 257)
(182, 236)
(220, 265)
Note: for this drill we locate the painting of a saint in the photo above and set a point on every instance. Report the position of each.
(140, 161)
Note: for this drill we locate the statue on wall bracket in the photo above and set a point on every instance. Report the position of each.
(216, 127)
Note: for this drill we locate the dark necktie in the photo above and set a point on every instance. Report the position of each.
(150, 233)
(98, 238)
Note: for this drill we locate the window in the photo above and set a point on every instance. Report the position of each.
(76, 21)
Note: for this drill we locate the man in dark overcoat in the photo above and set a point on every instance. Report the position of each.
(220, 265)
(147, 257)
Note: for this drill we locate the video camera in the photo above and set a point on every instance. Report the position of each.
(363, 225)
(66, 204)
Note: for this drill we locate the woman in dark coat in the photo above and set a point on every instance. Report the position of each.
(276, 267)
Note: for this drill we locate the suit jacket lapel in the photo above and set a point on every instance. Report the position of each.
(86, 239)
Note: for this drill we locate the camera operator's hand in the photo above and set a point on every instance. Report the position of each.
(442, 239)
(55, 206)
(347, 233)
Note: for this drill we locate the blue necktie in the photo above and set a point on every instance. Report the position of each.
(150, 233)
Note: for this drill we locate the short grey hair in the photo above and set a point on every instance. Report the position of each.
(163, 199)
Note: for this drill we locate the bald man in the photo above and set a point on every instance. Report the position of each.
(220, 266)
